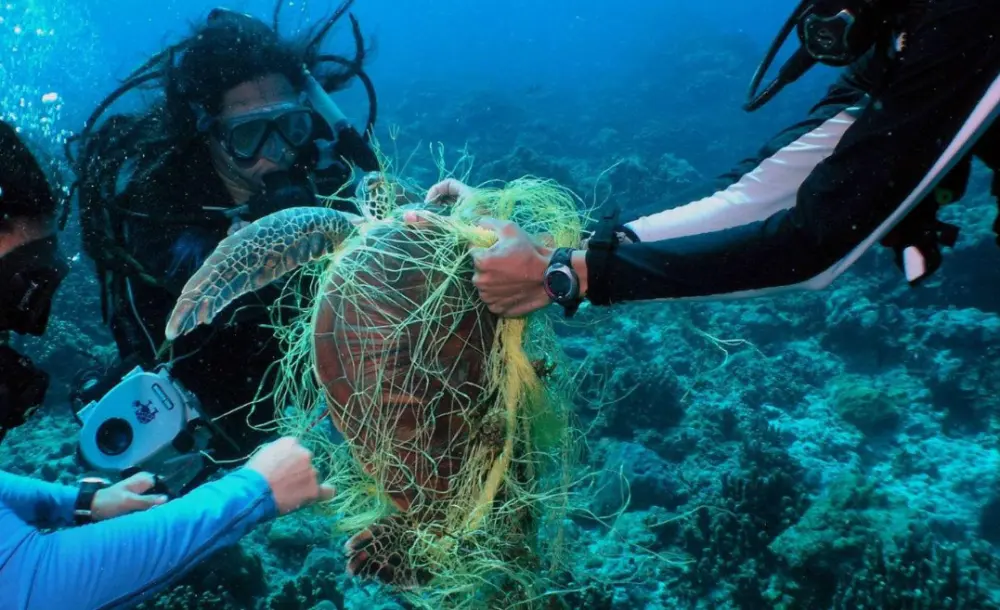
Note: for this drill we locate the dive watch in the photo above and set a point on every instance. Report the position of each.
(561, 282)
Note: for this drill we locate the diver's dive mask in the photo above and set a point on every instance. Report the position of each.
(831, 32)
(275, 133)
(29, 278)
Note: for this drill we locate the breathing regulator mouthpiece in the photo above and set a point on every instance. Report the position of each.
(282, 190)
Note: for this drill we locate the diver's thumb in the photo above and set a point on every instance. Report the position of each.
(326, 492)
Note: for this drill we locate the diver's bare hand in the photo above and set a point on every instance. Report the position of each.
(125, 497)
(449, 189)
(287, 467)
(509, 273)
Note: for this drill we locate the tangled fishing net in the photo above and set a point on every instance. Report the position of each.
(457, 437)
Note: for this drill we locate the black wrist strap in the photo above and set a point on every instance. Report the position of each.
(562, 255)
(600, 251)
(83, 507)
(604, 235)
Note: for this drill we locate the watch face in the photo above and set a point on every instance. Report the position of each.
(558, 283)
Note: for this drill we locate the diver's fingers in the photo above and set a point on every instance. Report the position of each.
(514, 307)
(477, 260)
(418, 217)
(503, 228)
(449, 187)
(140, 482)
(438, 190)
(238, 225)
(530, 306)
(136, 502)
(326, 492)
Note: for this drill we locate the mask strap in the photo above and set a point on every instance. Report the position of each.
(203, 120)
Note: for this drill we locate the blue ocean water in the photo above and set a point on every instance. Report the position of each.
(827, 450)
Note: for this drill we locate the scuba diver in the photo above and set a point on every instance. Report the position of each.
(127, 553)
(31, 271)
(245, 127)
(890, 142)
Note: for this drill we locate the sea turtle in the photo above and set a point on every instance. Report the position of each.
(405, 386)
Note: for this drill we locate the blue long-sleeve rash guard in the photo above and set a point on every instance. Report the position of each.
(123, 561)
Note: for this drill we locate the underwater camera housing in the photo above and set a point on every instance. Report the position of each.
(148, 421)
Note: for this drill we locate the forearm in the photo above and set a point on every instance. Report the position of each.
(119, 562)
(39, 503)
(770, 187)
(737, 262)
(769, 181)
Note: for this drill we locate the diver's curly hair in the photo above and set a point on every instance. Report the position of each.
(193, 75)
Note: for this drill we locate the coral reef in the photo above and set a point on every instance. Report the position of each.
(231, 578)
(919, 575)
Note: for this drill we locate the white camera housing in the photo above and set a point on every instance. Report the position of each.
(146, 421)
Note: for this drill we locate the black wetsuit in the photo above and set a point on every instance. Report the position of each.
(222, 364)
(822, 191)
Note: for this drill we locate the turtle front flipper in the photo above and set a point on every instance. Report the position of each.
(252, 258)
(382, 552)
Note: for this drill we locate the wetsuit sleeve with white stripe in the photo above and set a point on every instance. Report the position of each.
(765, 184)
(950, 61)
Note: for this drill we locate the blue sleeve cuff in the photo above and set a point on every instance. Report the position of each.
(65, 498)
(257, 485)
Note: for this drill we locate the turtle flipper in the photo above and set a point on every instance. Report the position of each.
(252, 258)
(381, 552)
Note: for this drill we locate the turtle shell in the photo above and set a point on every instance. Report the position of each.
(405, 385)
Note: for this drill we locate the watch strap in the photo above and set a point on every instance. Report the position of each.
(562, 256)
(83, 507)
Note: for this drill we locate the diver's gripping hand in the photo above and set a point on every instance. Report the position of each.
(253, 257)
(448, 190)
(287, 467)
